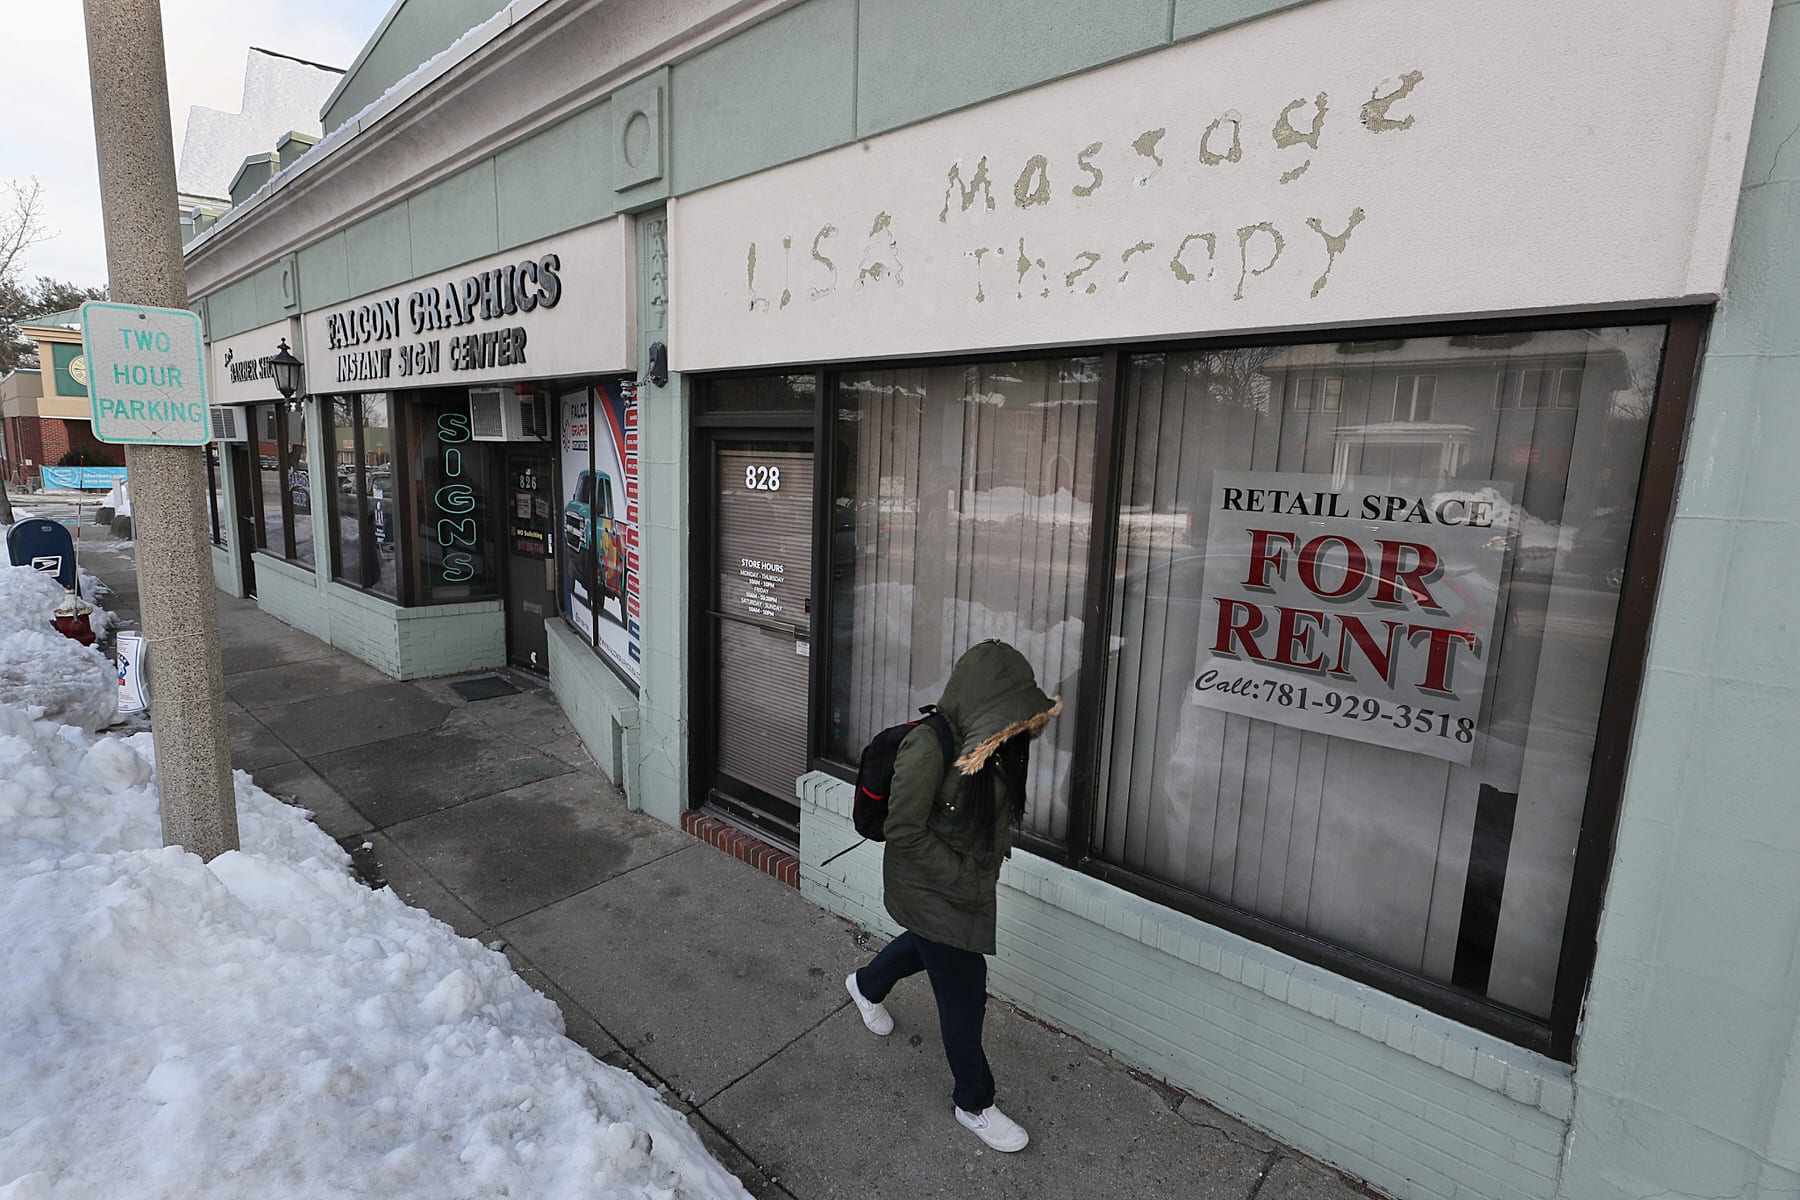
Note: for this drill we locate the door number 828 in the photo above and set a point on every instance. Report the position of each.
(762, 479)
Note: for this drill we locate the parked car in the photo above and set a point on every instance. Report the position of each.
(1597, 549)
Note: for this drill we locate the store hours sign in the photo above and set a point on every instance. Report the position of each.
(1358, 608)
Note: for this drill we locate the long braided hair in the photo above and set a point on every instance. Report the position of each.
(1011, 761)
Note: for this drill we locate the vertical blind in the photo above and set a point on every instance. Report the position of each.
(963, 512)
(1457, 873)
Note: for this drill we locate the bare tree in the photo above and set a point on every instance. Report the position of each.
(21, 227)
(21, 224)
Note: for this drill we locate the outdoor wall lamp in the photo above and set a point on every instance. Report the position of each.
(659, 363)
(284, 369)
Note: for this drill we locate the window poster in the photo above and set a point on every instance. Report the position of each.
(576, 569)
(599, 448)
(1360, 608)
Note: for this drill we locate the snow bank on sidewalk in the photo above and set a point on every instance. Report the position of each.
(92, 589)
(266, 1026)
(27, 598)
(57, 679)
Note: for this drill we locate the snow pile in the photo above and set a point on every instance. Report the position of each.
(58, 679)
(16, 591)
(1535, 533)
(265, 1026)
(27, 598)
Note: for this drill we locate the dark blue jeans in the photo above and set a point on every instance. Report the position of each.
(959, 981)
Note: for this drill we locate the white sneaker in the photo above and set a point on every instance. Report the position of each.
(875, 1016)
(994, 1127)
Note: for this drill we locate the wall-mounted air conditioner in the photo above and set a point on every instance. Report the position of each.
(498, 415)
(228, 423)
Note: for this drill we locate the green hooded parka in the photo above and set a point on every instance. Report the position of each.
(939, 870)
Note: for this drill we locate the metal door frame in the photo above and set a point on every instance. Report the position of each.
(246, 513)
(546, 452)
(703, 664)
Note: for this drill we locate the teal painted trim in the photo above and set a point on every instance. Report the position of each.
(324, 266)
(806, 80)
(256, 170)
(1196, 18)
(355, 69)
(225, 576)
(800, 64)
(557, 179)
(640, 141)
(412, 32)
(1774, 154)
(270, 294)
(252, 301)
(919, 58)
(379, 250)
(454, 220)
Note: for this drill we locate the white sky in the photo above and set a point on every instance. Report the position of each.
(48, 128)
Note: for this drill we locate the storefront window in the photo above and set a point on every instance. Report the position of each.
(1362, 615)
(271, 521)
(457, 540)
(760, 393)
(282, 481)
(963, 511)
(364, 530)
(296, 480)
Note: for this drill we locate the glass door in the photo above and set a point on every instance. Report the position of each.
(759, 621)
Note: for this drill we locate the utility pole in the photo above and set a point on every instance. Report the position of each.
(129, 81)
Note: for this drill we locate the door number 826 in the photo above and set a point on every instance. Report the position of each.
(762, 479)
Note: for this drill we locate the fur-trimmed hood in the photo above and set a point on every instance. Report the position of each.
(991, 698)
(972, 761)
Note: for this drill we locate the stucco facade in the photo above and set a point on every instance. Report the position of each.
(828, 191)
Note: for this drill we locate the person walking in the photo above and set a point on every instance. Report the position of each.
(949, 827)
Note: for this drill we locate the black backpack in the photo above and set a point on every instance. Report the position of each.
(875, 773)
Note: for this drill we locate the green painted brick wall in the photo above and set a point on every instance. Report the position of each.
(599, 706)
(1422, 1107)
(1690, 1057)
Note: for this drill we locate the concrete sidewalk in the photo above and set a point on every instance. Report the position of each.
(706, 978)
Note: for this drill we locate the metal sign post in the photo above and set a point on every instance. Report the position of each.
(149, 392)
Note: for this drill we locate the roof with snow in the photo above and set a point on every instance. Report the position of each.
(281, 93)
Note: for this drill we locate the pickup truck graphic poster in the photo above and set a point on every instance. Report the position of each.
(600, 520)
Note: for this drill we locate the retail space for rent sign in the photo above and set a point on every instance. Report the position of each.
(1358, 608)
(146, 377)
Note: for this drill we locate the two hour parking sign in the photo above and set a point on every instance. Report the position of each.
(145, 377)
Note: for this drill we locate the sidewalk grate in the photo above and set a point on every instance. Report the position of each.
(485, 688)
